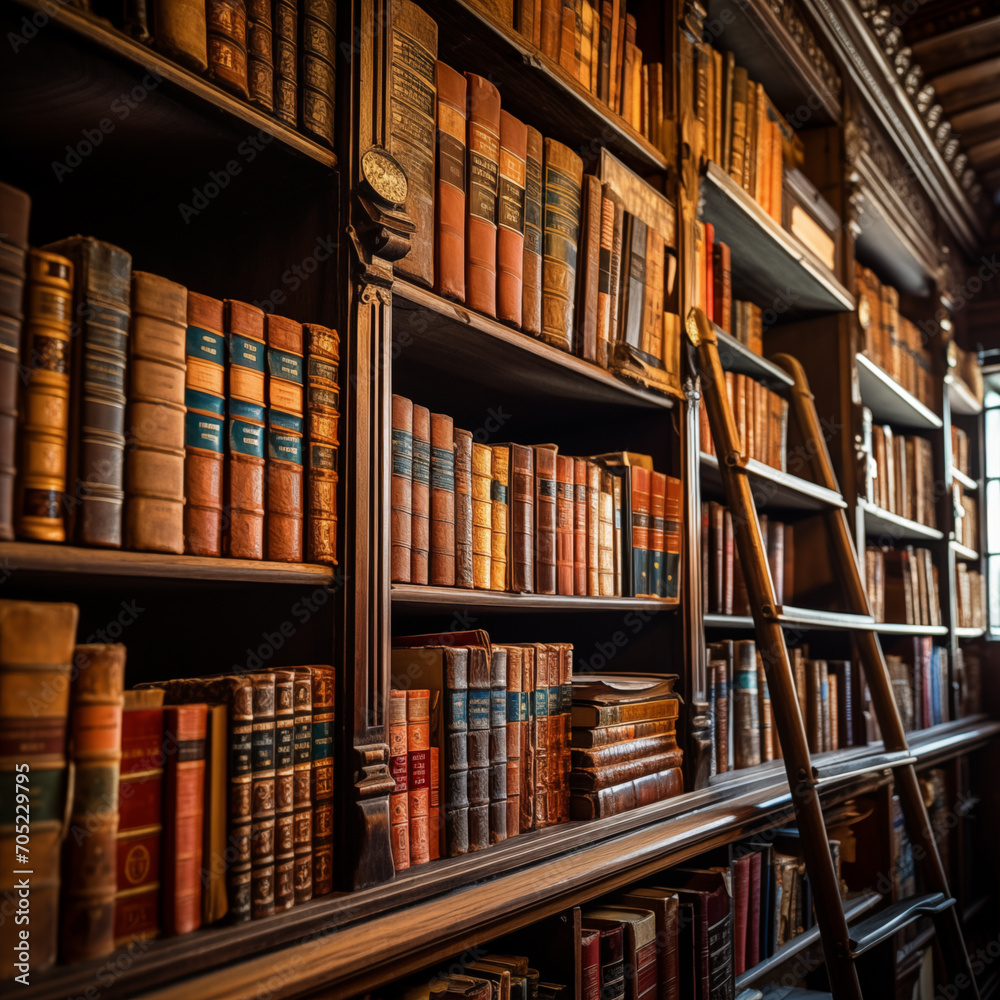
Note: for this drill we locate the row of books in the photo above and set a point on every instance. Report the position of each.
(508, 224)
(761, 417)
(970, 592)
(723, 588)
(624, 743)
(918, 671)
(960, 458)
(192, 800)
(479, 742)
(149, 417)
(278, 55)
(900, 474)
(891, 341)
(966, 518)
(902, 585)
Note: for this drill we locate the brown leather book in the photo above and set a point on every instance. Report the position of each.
(243, 505)
(529, 740)
(590, 270)
(179, 30)
(226, 21)
(402, 487)
(442, 523)
(302, 781)
(184, 727)
(551, 28)
(317, 77)
(500, 511)
(521, 527)
(605, 322)
(154, 471)
(482, 515)
(592, 779)
(15, 208)
(262, 810)
(628, 795)
(205, 399)
(412, 107)
(746, 718)
(722, 292)
(498, 746)
(463, 508)
(399, 816)
(284, 790)
(510, 219)
(481, 206)
(260, 54)
(285, 20)
(531, 274)
(214, 846)
(418, 739)
(606, 540)
(616, 275)
(546, 490)
(322, 417)
(449, 207)
(420, 537)
(140, 818)
(580, 527)
(87, 911)
(529, 20)
(322, 779)
(565, 525)
(516, 714)
(569, 45)
(97, 392)
(285, 405)
(479, 746)
(593, 528)
(561, 236)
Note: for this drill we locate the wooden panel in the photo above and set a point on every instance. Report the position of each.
(772, 488)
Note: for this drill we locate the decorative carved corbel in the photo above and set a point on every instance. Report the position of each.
(372, 785)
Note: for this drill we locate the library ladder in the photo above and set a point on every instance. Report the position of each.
(842, 944)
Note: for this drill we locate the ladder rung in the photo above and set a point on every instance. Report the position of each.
(877, 928)
(845, 770)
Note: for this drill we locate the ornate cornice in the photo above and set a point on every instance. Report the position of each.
(804, 37)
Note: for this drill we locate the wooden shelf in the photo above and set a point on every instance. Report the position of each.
(960, 399)
(902, 628)
(537, 89)
(963, 552)
(773, 489)
(412, 597)
(790, 617)
(891, 527)
(770, 265)
(889, 402)
(967, 482)
(853, 908)
(69, 560)
(967, 632)
(451, 338)
(737, 357)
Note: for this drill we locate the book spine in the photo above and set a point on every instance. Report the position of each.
(226, 21)
(463, 509)
(260, 55)
(285, 19)
(421, 496)
(285, 364)
(500, 513)
(632, 749)
(640, 481)
(322, 779)
(284, 790)
(322, 417)
(479, 748)
(673, 528)
(418, 741)
(657, 505)
(516, 722)
(498, 746)
(561, 236)
(179, 30)
(565, 525)
(604, 321)
(482, 515)
(722, 702)
(628, 795)
(239, 856)
(442, 505)
(483, 147)
(542, 741)
(589, 269)
(399, 816)
(510, 218)
(449, 208)
(402, 487)
(529, 737)
(606, 536)
(456, 752)
(204, 427)
(317, 77)
(522, 519)
(746, 721)
(580, 527)
(531, 277)
(593, 528)
(262, 836)
(545, 519)
(214, 896)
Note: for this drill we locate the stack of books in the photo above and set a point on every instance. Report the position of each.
(902, 585)
(900, 473)
(970, 592)
(919, 673)
(761, 417)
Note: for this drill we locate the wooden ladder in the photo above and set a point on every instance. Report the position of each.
(841, 944)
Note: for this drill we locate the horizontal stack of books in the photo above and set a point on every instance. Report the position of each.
(902, 585)
(624, 743)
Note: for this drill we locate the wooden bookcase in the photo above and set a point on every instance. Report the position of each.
(291, 196)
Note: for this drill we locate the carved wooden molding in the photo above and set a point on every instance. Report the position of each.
(804, 37)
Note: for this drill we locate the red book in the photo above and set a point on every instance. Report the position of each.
(418, 740)
(590, 965)
(741, 911)
(510, 218)
(580, 527)
(640, 531)
(449, 203)
(722, 297)
(753, 914)
(707, 271)
(565, 522)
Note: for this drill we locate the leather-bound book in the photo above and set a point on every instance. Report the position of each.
(551, 28)
(639, 930)
(322, 417)
(399, 815)
(673, 527)
(260, 55)
(226, 21)
(531, 274)
(640, 511)
(580, 527)
(179, 31)
(262, 833)
(545, 519)
(418, 742)
(36, 663)
(140, 818)
(590, 964)
(44, 426)
(463, 509)
(561, 235)
(741, 911)
(479, 748)
(657, 505)
(285, 45)
(322, 779)
(723, 291)
(510, 219)
(500, 514)
(541, 743)
(442, 501)
(285, 376)
(317, 77)
(184, 726)
(302, 780)
(204, 434)
(565, 525)
(420, 532)
(605, 321)
(136, 21)
(606, 539)
(154, 471)
(87, 909)
(590, 269)
(664, 905)
(628, 795)
(722, 703)
(521, 533)
(214, 894)
(15, 207)
(243, 504)
(284, 790)
(746, 720)
(498, 745)
(764, 714)
(482, 515)
(449, 206)
(590, 779)
(593, 528)
(483, 147)
(529, 738)
(517, 721)
(402, 486)
(612, 956)
(412, 107)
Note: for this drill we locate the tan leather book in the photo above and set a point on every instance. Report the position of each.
(179, 30)
(531, 277)
(615, 275)
(44, 421)
(260, 55)
(226, 21)
(587, 46)
(777, 175)
(606, 538)
(442, 509)
(606, 320)
(449, 206)
(205, 431)
(420, 531)
(482, 515)
(569, 45)
(483, 142)
(551, 28)
(87, 911)
(738, 141)
(529, 20)
(510, 219)
(463, 508)
(412, 111)
(580, 527)
(154, 471)
(284, 790)
(565, 524)
(590, 269)
(402, 487)
(418, 741)
(285, 48)
(545, 518)
(322, 419)
(317, 75)
(399, 816)
(593, 528)
(500, 499)
(561, 235)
